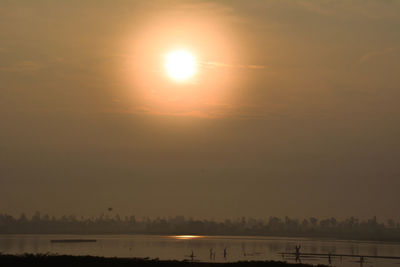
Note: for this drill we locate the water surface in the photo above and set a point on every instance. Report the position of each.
(181, 247)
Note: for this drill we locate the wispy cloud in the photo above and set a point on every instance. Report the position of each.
(378, 53)
(373, 9)
(213, 64)
(23, 66)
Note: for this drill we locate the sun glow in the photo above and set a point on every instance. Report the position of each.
(180, 65)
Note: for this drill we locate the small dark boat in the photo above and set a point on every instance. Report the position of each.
(72, 240)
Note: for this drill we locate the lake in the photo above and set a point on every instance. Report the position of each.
(181, 247)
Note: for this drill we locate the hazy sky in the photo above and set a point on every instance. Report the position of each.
(294, 109)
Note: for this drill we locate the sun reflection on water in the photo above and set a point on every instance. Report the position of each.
(185, 237)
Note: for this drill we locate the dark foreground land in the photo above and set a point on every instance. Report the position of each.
(88, 261)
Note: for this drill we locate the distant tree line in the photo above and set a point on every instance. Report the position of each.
(350, 228)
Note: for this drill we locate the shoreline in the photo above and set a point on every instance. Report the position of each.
(69, 260)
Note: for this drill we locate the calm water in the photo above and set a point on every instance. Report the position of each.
(172, 247)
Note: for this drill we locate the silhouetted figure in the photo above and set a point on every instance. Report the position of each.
(329, 258)
(192, 256)
(361, 261)
(225, 253)
(298, 253)
(211, 253)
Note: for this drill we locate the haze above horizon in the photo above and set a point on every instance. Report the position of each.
(200, 108)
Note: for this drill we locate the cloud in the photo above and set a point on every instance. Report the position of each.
(372, 9)
(211, 110)
(213, 64)
(23, 66)
(378, 53)
(207, 6)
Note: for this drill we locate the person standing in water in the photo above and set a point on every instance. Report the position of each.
(225, 253)
(297, 253)
(192, 255)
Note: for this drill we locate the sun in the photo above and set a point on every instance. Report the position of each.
(180, 65)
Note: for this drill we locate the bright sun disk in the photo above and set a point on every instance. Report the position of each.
(180, 65)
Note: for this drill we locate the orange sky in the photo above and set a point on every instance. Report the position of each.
(293, 110)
